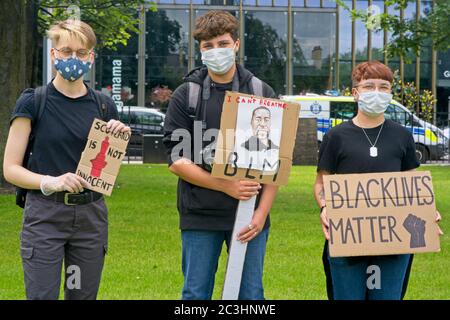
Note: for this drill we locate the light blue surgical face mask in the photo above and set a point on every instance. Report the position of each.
(219, 60)
(72, 68)
(373, 103)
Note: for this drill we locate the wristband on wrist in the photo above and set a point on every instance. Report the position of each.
(321, 208)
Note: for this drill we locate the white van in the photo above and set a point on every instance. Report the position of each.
(431, 143)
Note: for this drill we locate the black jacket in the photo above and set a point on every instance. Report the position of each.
(200, 208)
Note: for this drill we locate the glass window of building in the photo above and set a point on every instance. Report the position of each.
(345, 46)
(329, 3)
(377, 33)
(393, 62)
(361, 34)
(280, 3)
(313, 3)
(167, 48)
(314, 51)
(410, 68)
(425, 52)
(265, 42)
(116, 72)
(266, 3)
(298, 3)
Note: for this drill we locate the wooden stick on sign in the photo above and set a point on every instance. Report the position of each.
(236, 256)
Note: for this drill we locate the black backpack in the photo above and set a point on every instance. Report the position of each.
(40, 100)
(197, 92)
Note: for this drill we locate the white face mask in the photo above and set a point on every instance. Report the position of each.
(374, 103)
(219, 60)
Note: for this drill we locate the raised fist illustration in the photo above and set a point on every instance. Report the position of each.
(416, 227)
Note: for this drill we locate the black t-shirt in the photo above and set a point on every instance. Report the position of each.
(215, 104)
(63, 128)
(345, 149)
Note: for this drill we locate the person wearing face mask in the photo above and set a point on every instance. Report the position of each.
(63, 221)
(207, 205)
(367, 143)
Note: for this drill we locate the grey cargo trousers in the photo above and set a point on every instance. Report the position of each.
(54, 232)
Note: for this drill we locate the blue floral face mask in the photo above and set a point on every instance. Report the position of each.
(73, 68)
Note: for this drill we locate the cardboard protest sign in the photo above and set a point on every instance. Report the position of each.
(101, 159)
(381, 213)
(256, 140)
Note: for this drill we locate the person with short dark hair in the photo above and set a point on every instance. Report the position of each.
(207, 205)
(367, 143)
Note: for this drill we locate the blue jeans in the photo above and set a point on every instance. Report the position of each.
(200, 255)
(350, 277)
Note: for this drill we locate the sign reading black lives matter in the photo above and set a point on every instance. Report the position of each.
(381, 213)
(101, 159)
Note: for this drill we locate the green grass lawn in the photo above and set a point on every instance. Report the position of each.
(144, 258)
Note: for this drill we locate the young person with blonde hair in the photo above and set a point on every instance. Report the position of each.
(63, 221)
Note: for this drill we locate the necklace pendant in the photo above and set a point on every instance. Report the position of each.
(373, 152)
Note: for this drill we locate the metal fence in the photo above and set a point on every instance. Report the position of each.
(143, 122)
(432, 140)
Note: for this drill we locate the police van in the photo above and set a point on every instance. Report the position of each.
(431, 143)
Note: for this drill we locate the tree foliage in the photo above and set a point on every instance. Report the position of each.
(408, 34)
(112, 20)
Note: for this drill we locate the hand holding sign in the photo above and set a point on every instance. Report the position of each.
(438, 219)
(67, 182)
(325, 223)
(249, 232)
(116, 126)
(242, 189)
(101, 159)
(255, 143)
(380, 213)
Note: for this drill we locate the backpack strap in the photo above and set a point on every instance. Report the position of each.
(193, 96)
(257, 86)
(100, 99)
(40, 100)
(194, 89)
(235, 84)
(206, 92)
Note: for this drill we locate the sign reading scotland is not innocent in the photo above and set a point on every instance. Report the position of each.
(381, 213)
(101, 159)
